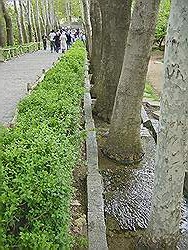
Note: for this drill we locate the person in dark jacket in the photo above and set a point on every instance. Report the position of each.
(44, 41)
(69, 39)
(57, 41)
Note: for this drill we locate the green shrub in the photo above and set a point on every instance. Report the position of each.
(39, 155)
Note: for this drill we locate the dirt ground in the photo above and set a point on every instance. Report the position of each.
(155, 70)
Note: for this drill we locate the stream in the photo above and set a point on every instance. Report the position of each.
(128, 193)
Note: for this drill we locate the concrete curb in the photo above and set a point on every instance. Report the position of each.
(96, 221)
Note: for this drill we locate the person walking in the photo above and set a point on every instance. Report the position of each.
(52, 40)
(57, 41)
(44, 41)
(69, 39)
(63, 40)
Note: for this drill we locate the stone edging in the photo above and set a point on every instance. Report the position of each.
(96, 221)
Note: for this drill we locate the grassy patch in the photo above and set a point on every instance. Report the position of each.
(150, 93)
(38, 158)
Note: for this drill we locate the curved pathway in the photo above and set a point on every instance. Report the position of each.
(14, 76)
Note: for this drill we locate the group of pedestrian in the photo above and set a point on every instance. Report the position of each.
(62, 39)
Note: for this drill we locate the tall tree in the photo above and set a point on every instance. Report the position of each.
(170, 167)
(33, 22)
(29, 22)
(22, 21)
(48, 23)
(20, 36)
(115, 26)
(87, 24)
(8, 22)
(37, 20)
(51, 12)
(43, 13)
(124, 142)
(96, 23)
(2, 30)
(69, 10)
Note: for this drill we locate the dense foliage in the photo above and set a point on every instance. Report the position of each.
(162, 21)
(39, 155)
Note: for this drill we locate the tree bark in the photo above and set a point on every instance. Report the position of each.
(20, 36)
(87, 23)
(96, 23)
(2, 28)
(33, 22)
(69, 10)
(43, 11)
(37, 21)
(51, 13)
(170, 161)
(8, 22)
(29, 23)
(124, 141)
(115, 26)
(22, 21)
(48, 23)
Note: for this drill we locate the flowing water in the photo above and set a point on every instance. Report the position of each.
(127, 193)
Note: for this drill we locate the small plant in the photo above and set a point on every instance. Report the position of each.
(150, 93)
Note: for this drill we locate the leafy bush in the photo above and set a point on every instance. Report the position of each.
(39, 155)
(163, 16)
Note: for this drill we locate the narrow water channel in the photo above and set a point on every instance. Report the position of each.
(127, 193)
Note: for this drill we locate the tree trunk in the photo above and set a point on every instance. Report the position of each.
(43, 11)
(2, 28)
(33, 22)
(48, 24)
(37, 21)
(29, 21)
(22, 21)
(42, 26)
(87, 25)
(20, 36)
(115, 26)
(8, 22)
(96, 22)
(51, 13)
(170, 167)
(124, 142)
(69, 11)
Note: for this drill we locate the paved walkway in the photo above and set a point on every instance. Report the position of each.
(155, 71)
(14, 76)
